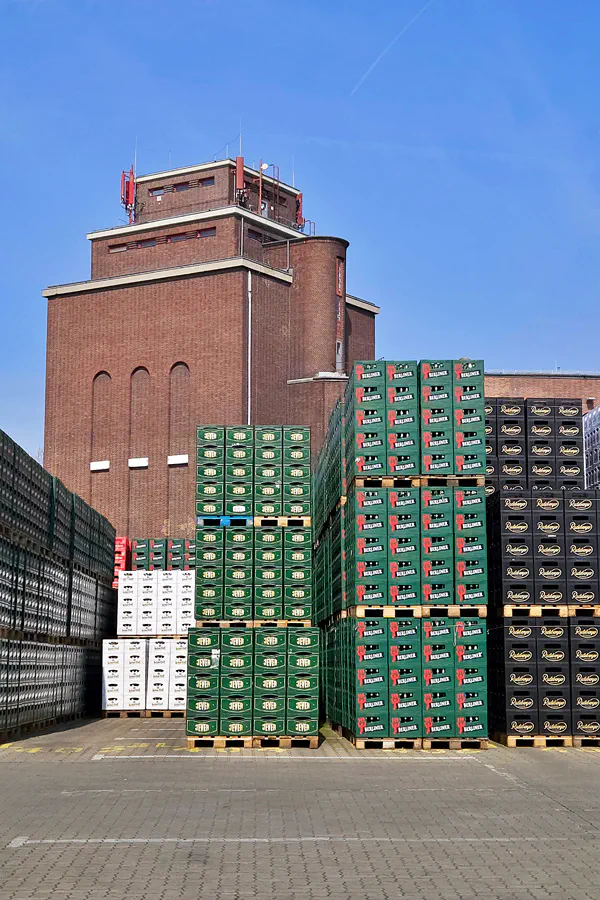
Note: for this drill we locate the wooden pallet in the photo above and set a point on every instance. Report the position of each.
(257, 742)
(143, 714)
(586, 740)
(254, 623)
(533, 740)
(386, 481)
(374, 743)
(456, 743)
(466, 481)
(282, 521)
(584, 610)
(165, 713)
(162, 637)
(382, 612)
(535, 611)
(455, 612)
(17, 731)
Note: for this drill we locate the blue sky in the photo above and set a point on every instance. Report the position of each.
(464, 170)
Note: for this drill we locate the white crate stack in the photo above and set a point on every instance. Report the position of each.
(155, 604)
(144, 673)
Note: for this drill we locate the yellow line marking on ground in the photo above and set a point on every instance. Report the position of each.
(69, 750)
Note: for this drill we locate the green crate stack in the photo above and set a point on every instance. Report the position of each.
(436, 391)
(210, 471)
(454, 671)
(270, 674)
(238, 573)
(469, 417)
(364, 420)
(239, 476)
(303, 664)
(402, 417)
(268, 471)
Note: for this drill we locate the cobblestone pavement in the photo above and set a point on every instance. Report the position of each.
(120, 809)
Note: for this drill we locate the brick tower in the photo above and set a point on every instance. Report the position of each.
(214, 305)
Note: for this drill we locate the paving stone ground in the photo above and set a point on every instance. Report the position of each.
(120, 809)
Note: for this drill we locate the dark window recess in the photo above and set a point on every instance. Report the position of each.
(117, 248)
(255, 235)
(206, 182)
(157, 192)
(207, 232)
(151, 242)
(175, 238)
(182, 186)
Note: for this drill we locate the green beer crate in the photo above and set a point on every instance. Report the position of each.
(470, 678)
(405, 501)
(303, 638)
(297, 538)
(268, 726)
(242, 471)
(438, 677)
(202, 726)
(296, 434)
(239, 593)
(436, 372)
(268, 453)
(268, 492)
(406, 655)
(238, 453)
(362, 418)
(437, 546)
(370, 654)
(404, 594)
(373, 631)
(299, 472)
(236, 684)
(202, 704)
(268, 575)
(437, 653)
(297, 491)
(201, 661)
(407, 702)
(272, 683)
(210, 434)
(366, 442)
(367, 547)
(268, 610)
(269, 705)
(268, 507)
(439, 725)
(469, 462)
(268, 593)
(297, 507)
(204, 640)
(268, 472)
(370, 593)
(243, 555)
(238, 575)
(297, 593)
(235, 704)
(439, 701)
(296, 611)
(471, 548)
(238, 536)
(468, 372)
(474, 701)
(408, 725)
(271, 536)
(369, 503)
(470, 654)
(270, 639)
(236, 640)
(209, 554)
(403, 412)
(241, 611)
(235, 726)
(403, 464)
(269, 556)
(372, 702)
(370, 726)
(437, 463)
(403, 631)
(472, 593)
(270, 661)
(297, 574)
(470, 570)
(301, 726)
(302, 683)
(296, 454)
(210, 454)
(208, 609)
(236, 662)
(204, 683)
(435, 571)
(209, 472)
(471, 629)
(471, 724)
(404, 571)
(404, 371)
(238, 492)
(439, 630)
(239, 434)
(302, 705)
(405, 678)
(302, 661)
(267, 434)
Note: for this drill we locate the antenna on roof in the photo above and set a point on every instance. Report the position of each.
(240, 137)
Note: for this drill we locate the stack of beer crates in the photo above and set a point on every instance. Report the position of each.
(401, 557)
(254, 657)
(534, 444)
(56, 599)
(159, 553)
(545, 621)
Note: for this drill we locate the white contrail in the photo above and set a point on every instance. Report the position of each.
(391, 44)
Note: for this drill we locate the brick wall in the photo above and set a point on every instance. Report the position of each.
(360, 335)
(174, 203)
(586, 387)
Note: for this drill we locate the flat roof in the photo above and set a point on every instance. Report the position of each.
(203, 167)
(543, 373)
(351, 300)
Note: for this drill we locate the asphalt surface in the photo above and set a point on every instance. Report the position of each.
(121, 809)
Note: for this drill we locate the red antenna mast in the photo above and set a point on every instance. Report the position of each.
(128, 193)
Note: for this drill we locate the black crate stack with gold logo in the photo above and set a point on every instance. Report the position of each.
(544, 590)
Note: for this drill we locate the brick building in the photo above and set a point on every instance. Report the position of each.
(213, 305)
(572, 385)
